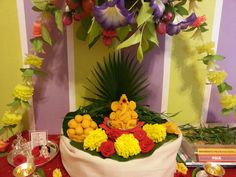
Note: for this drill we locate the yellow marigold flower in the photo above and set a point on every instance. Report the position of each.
(180, 167)
(172, 128)
(208, 48)
(94, 139)
(33, 60)
(10, 119)
(23, 92)
(155, 132)
(228, 101)
(56, 173)
(216, 77)
(127, 145)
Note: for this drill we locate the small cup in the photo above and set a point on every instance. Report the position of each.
(214, 169)
(24, 170)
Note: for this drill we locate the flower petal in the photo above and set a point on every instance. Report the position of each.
(158, 8)
(112, 14)
(173, 29)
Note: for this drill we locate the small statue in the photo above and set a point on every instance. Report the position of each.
(44, 151)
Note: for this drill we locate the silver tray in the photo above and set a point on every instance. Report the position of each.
(54, 149)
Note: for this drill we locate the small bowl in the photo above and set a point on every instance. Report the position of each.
(214, 169)
(24, 169)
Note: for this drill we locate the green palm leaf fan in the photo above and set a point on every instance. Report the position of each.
(117, 75)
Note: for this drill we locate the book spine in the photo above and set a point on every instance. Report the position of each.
(216, 151)
(216, 158)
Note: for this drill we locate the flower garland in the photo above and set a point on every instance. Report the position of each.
(217, 77)
(150, 19)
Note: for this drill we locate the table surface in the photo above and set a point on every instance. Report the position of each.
(6, 169)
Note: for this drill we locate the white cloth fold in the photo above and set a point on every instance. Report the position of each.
(81, 164)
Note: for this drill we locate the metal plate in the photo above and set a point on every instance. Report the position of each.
(54, 149)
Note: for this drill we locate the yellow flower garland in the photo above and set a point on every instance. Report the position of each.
(10, 118)
(216, 77)
(33, 60)
(23, 92)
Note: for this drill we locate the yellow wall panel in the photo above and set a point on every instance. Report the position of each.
(188, 74)
(10, 52)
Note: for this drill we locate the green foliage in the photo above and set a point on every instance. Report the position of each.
(224, 87)
(212, 135)
(150, 117)
(58, 19)
(118, 75)
(37, 44)
(46, 35)
(209, 58)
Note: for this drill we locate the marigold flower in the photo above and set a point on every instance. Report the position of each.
(216, 77)
(180, 167)
(155, 132)
(94, 139)
(33, 60)
(172, 128)
(127, 145)
(23, 92)
(10, 118)
(56, 173)
(207, 47)
(228, 101)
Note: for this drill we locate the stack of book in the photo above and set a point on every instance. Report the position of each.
(200, 152)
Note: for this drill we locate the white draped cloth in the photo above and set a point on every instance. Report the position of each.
(78, 163)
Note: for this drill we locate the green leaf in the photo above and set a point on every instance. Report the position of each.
(181, 10)
(42, 5)
(226, 112)
(195, 171)
(224, 87)
(37, 44)
(150, 33)
(15, 103)
(41, 172)
(45, 35)
(140, 53)
(123, 32)
(94, 32)
(58, 19)
(26, 104)
(3, 154)
(145, 14)
(39, 72)
(208, 58)
(94, 41)
(81, 33)
(28, 72)
(190, 29)
(132, 40)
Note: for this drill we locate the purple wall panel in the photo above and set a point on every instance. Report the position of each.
(226, 47)
(51, 97)
(153, 64)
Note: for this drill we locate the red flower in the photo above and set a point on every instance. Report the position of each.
(114, 133)
(179, 174)
(146, 145)
(19, 159)
(37, 28)
(140, 134)
(199, 21)
(107, 148)
(35, 151)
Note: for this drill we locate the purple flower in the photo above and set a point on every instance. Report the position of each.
(158, 7)
(113, 14)
(173, 29)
